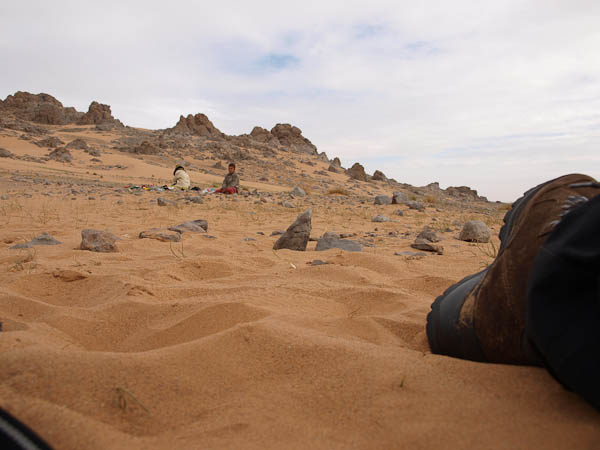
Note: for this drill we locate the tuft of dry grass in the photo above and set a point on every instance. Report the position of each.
(338, 190)
(431, 199)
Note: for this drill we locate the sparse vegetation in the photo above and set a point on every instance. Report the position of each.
(338, 190)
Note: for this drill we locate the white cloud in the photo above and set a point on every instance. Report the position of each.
(495, 95)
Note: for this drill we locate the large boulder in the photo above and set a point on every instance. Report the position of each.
(291, 136)
(98, 241)
(382, 200)
(399, 198)
(297, 235)
(98, 114)
(357, 172)
(475, 231)
(198, 125)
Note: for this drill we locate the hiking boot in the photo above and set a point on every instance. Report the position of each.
(482, 317)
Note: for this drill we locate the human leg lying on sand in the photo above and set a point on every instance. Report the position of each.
(538, 303)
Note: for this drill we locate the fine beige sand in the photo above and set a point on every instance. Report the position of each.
(224, 343)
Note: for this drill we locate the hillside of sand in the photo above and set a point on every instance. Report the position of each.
(219, 341)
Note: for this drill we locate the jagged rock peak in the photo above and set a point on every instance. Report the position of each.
(98, 114)
(291, 136)
(198, 125)
(39, 108)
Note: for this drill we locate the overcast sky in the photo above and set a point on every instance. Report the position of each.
(495, 95)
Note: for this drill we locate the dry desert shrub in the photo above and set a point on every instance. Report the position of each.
(430, 199)
(23, 262)
(338, 190)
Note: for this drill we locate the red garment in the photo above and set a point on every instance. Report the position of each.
(230, 190)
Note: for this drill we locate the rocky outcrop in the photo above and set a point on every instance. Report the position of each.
(357, 172)
(99, 114)
(50, 142)
(291, 137)
(61, 154)
(378, 175)
(197, 125)
(39, 108)
(263, 135)
(146, 148)
(464, 193)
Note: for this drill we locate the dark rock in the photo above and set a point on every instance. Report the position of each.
(334, 169)
(382, 200)
(98, 241)
(399, 198)
(331, 240)
(42, 239)
(193, 226)
(475, 231)
(50, 142)
(287, 204)
(419, 206)
(197, 200)
(425, 245)
(429, 235)
(336, 162)
(165, 202)
(155, 233)
(78, 144)
(61, 154)
(379, 176)
(318, 262)
(298, 192)
(277, 232)
(146, 148)
(5, 153)
(380, 218)
(399, 212)
(411, 254)
(297, 234)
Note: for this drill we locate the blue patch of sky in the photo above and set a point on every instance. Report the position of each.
(277, 61)
(366, 31)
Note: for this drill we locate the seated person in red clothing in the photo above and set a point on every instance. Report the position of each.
(231, 183)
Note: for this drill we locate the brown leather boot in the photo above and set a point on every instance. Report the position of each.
(482, 317)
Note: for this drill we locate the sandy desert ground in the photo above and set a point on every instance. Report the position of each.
(220, 342)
